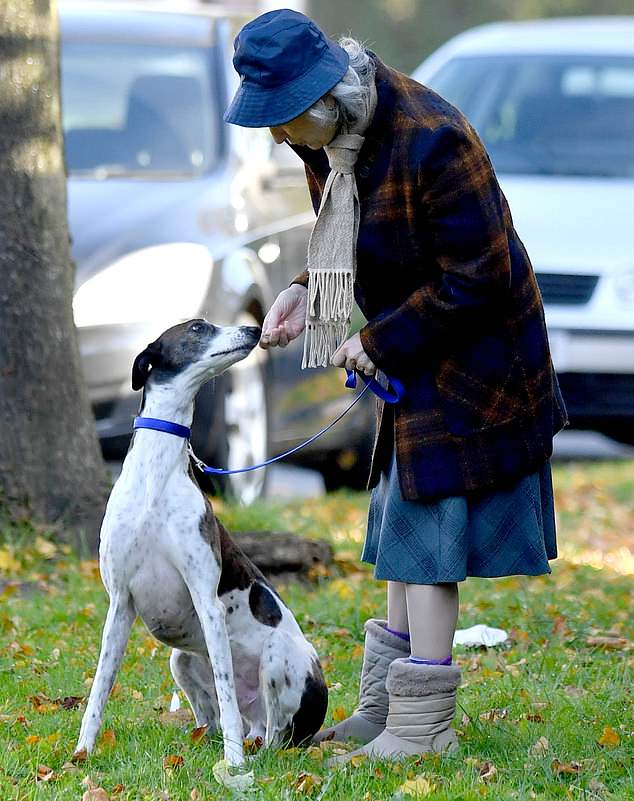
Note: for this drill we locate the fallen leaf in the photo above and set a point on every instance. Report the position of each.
(417, 787)
(488, 772)
(69, 701)
(173, 761)
(609, 643)
(95, 794)
(44, 774)
(339, 714)
(8, 563)
(117, 789)
(79, 756)
(315, 752)
(534, 718)
(198, 733)
(108, 739)
(32, 739)
(540, 747)
(357, 760)
(494, 714)
(177, 718)
(239, 782)
(609, 737)
(307, 782)
(253, 746)
(558, 767)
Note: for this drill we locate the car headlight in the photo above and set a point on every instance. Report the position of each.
(164, 282)
(624, 285)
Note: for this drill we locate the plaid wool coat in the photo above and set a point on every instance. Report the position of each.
(451, 300)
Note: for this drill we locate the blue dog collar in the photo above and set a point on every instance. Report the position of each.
(163, 425)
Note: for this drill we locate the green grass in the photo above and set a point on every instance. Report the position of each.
(549, 683)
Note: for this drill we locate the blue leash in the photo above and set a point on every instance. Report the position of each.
(393, 396)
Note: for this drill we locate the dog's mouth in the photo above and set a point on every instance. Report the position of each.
(248, 348)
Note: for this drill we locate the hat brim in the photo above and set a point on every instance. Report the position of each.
(257, 106)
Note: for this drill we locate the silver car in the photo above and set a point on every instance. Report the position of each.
(553, 101)
(175, 215)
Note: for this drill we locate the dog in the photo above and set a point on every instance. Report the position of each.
(239, 655)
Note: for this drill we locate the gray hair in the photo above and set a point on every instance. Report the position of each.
(354, 94)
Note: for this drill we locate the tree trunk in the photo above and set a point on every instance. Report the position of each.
(50, 462)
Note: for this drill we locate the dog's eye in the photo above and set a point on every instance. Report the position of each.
(196, 328)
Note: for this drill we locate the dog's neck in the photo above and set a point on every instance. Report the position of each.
(155, 456)
(166, 402)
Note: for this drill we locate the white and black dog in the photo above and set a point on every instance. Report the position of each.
(238, 653)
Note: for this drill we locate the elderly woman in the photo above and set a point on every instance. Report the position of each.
(412, 220)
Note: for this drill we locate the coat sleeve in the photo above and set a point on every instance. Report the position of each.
(465, 213)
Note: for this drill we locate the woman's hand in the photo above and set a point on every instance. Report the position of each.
(286, 318)
(352, 356)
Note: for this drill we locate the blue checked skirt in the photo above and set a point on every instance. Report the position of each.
(498, 533)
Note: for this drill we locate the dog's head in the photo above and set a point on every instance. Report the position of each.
(192, 353)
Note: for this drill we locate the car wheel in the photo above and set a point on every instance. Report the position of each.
(231, 425)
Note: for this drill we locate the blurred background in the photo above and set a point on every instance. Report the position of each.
(159, 185)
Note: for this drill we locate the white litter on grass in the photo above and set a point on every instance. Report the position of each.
(479, 635)
(175, 703)
(239, 782)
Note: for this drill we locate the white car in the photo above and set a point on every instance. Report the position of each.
(553, 102)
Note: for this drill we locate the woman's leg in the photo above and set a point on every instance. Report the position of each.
(432, 613)
(397, 608)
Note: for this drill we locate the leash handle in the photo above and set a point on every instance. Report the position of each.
(398, 390)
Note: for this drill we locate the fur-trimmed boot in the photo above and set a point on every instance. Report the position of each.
(368, 720)
(421, 707)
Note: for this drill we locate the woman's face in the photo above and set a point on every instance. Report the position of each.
(305, 130)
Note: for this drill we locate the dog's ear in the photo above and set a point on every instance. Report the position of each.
(150, 357)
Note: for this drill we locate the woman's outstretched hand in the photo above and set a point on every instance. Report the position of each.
(286, 318)
(352, 356)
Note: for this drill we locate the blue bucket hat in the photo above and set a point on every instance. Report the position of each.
(286, 63)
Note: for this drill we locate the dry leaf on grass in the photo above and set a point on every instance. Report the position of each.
(108, 738)
(558, 767)
(239, 782)
(494, 714)
(540, 747)
(253, 746)
(339, 714)
(488, 772)
(44, 774)
(307, 782)
(198, 733)
(79, 756)
(417, 787)
(609, 643)
(609, 737)
(93, 793)
(173, 761)
(179, 717)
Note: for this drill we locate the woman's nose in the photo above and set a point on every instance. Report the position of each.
(278, 135)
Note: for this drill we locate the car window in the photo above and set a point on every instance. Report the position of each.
(559, 115)
(137, 109)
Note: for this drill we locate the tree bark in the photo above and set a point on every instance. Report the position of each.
(50, 461)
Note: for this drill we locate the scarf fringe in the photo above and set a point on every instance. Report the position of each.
(321, 340)
(331, 294)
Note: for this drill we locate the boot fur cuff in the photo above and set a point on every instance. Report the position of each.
(378, 629)
(411, 679)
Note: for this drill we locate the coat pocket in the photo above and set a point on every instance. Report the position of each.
(482, 385)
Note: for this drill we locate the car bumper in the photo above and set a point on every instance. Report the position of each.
(592, 351)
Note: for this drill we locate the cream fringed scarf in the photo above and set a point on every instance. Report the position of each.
(332, 255)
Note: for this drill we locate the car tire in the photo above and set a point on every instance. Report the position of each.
(235, 416)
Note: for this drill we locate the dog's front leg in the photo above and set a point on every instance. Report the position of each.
(116, 630)
(211, 613)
